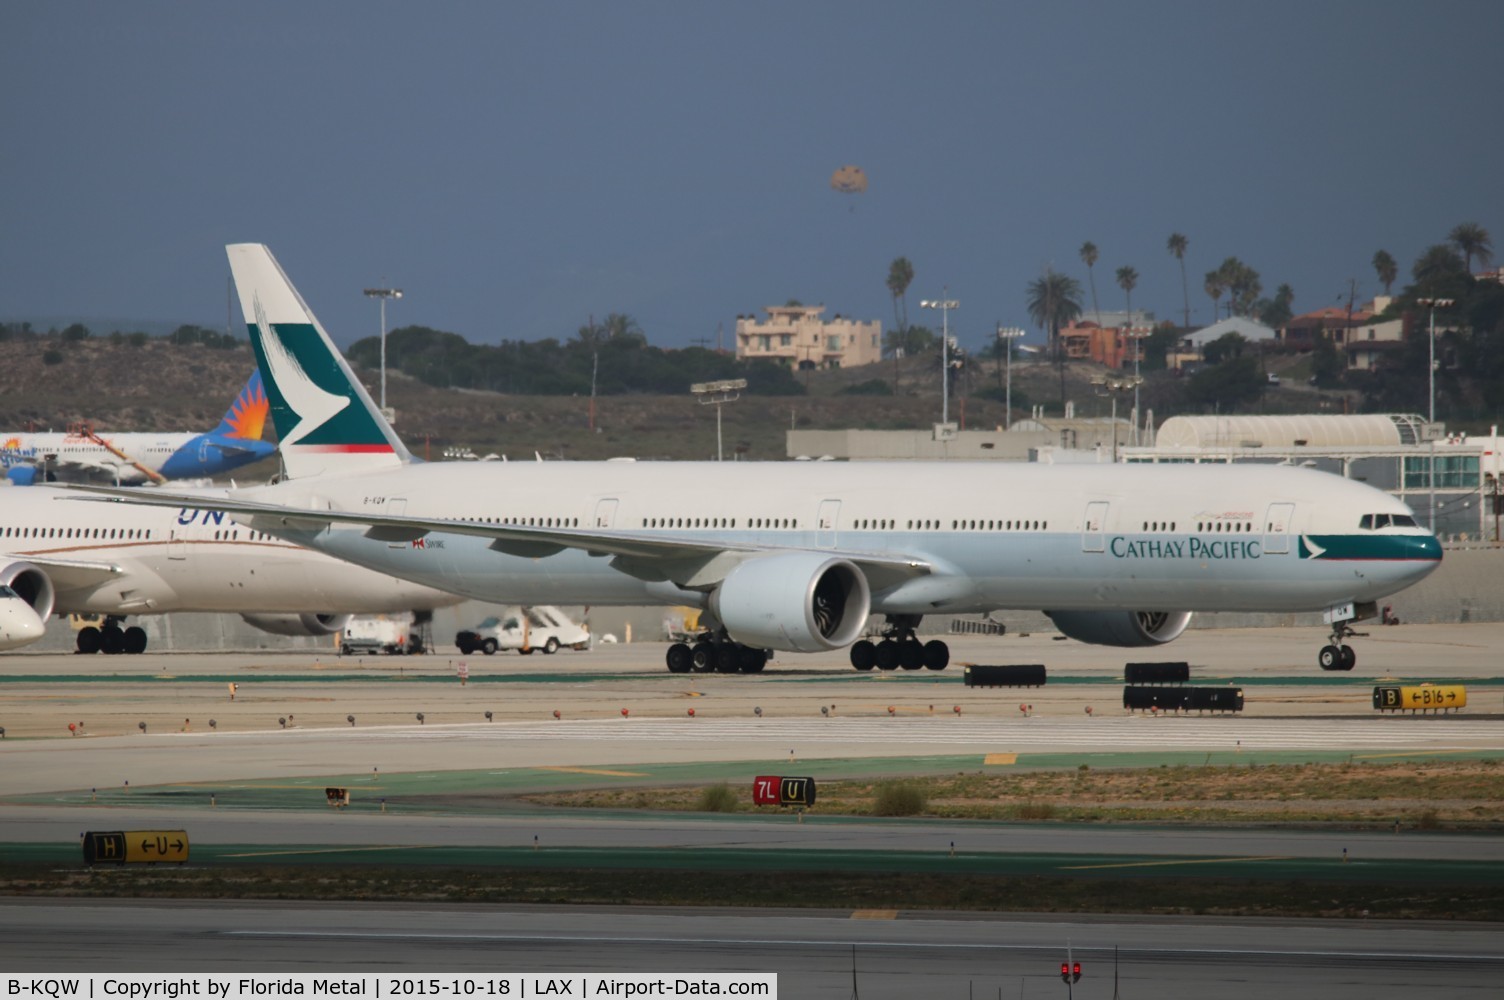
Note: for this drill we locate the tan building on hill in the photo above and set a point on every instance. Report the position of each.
(796, 336)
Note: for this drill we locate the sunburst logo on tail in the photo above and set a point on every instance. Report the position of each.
(248, 414)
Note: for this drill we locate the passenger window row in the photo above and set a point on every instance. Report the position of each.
(1221, 527)
(1159, 526)
(532, 522)
(102, 533)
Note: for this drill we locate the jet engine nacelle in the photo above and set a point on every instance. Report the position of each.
(31, 584)
(1121, 628)
(299, 624)
(800, 602)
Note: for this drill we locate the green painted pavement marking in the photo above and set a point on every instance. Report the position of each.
(1081, 866)
(484, 791)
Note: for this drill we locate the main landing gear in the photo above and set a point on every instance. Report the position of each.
(900, 648)
(110, 638)
(715, 652)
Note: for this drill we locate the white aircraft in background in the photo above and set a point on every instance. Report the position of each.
(130, 458)
(19, 623)
(795, 556)
(60, 557)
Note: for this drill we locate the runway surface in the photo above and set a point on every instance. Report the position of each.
(897, 956)
(874, 721)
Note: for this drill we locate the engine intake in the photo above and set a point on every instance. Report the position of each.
(1121, 628)
(31, 584)
(299, 624)
(801, 602)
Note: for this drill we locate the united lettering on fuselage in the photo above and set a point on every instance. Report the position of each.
(188, 515)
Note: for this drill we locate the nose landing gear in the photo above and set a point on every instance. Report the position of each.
(1337, 655)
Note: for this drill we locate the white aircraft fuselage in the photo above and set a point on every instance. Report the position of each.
(69, 557)
(993, 535)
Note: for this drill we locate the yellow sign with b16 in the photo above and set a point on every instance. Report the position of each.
(1419, 698)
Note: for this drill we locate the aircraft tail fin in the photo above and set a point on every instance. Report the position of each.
(246, 417)
(326, 420)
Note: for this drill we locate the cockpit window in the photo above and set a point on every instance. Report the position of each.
(1373, 522)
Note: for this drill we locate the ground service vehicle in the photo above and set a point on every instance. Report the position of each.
(524, 629)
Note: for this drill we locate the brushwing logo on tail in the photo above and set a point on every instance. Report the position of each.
(301, 376)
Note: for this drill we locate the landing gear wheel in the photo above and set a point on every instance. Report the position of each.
(936, 655)
(702, 658)
(88, 639)
(752, 660)
(111, 639)
(887, 655)
(728, 658)
(1330, 658)
(679, 658)
(863, 654)
(911, 655)
(135, 640)
(551, 646)
(1349, 658)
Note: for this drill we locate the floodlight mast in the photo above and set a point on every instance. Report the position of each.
(718, 394)
(945, 306)
(383, 294)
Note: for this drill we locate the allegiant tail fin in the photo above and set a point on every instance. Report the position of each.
(246, 417)
(326, 420)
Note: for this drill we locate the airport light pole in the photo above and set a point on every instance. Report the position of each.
(1433, 304)
(717, 394)
(1136, 335)
(383, 294)
(945, 306)
(1110, 387)
(1005, 337)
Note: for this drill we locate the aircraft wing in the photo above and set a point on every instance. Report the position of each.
(687, 560)
(71, 574)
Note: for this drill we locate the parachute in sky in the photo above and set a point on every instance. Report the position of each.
(849, 180)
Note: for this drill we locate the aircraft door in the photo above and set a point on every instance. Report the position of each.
(825, 524)
(177, 545)
(1277, 525)
(605, 512)
(1094, 530)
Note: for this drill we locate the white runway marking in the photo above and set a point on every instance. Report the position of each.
(1136, 733)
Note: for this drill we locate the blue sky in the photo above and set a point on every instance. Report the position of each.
(517, 167)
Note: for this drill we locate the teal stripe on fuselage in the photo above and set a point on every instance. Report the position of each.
(1392, 548)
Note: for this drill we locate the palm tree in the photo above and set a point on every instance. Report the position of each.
(1385, 267)
(1215, 287)
(1128, 281)
(1089, 257)
(900, 275)
(1471, 240)
(1054, 300)
(1177, 245)
(1438, 269)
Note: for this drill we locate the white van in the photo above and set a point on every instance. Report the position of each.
(524, 629)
